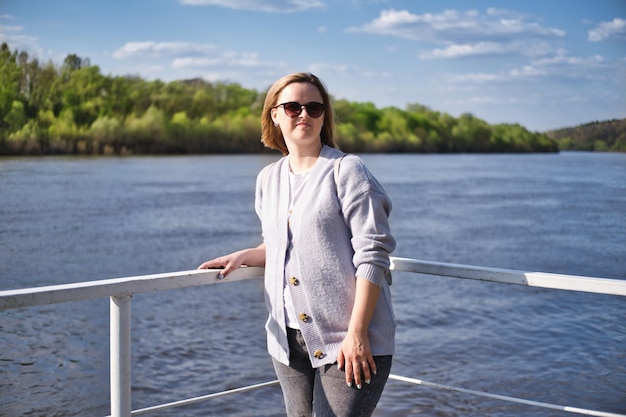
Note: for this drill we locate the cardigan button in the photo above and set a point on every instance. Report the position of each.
(318, 354)
(303, 317)
(294, 281)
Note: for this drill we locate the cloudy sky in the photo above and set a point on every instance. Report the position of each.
(541, 63)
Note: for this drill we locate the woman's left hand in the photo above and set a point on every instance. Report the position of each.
(355, 357)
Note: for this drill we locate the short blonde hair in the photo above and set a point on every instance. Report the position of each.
(271, 136)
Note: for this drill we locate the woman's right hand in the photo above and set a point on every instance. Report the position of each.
(228, 263)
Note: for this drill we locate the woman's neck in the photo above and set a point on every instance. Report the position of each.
(301, 160)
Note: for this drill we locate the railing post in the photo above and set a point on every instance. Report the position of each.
(120, 356)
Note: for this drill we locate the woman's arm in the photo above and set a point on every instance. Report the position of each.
(249, 257)
(355, 354)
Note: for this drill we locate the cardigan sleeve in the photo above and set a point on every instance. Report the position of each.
(261, 181)
(366, 209)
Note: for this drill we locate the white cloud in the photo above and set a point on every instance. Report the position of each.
(195, 62)
(537, 48)
(349, 70)
(477, 78)
(492, 11)
(457, 51)
(456, 26)
(402, 23)
(4, 28)
(545, 68)
(217, 76)
(224, 59)
(184, 55)
(469, 33)
(389, 19)
(517, 26)
(12, 35)
(155, 49)
(527, 71)
(561, 58)
(615, 28)
(272, 6)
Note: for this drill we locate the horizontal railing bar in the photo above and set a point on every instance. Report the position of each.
(80, 291)
(509, 276)
(201, 398)
(415, 381)
(132, 285)
(506, 398)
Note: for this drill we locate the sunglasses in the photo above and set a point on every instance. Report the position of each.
(293, 108)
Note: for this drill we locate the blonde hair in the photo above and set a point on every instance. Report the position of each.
(272, 136)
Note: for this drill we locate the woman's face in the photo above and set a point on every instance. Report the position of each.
(301, 130)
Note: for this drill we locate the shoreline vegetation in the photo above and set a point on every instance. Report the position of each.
(73, 109)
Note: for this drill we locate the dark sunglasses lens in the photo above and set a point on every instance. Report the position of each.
(315, 109)
(292, 109)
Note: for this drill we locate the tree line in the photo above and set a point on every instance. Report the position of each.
(75, 109)
(606, 136)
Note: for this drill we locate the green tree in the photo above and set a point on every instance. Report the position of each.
(16, 117)
(71, 63)
(84, 93)
(10, 75)
(107, 135)
(144, 133)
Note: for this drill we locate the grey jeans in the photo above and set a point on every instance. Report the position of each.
(323, 392)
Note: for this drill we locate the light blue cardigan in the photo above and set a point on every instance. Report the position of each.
(340, 231)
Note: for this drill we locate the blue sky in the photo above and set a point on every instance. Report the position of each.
(544, 64)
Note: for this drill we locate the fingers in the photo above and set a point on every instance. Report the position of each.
(227, 262)
(372, 365)
(209, 264)
(359, 371)
(347, 366)
(356, 374)
(218, 263)
(212, 264)
(205, 265)
(355, 358)
(340, 360)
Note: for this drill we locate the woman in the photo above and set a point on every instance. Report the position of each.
(326, 245)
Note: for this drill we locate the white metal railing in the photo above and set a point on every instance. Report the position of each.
(509, 276)
(120, 291)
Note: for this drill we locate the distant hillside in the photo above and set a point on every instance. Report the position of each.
(607, 136)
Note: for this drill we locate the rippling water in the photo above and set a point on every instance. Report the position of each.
(76, 219)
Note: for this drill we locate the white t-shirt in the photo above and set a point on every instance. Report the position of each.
(296, 185)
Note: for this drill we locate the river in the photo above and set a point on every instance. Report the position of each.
(67, 220)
